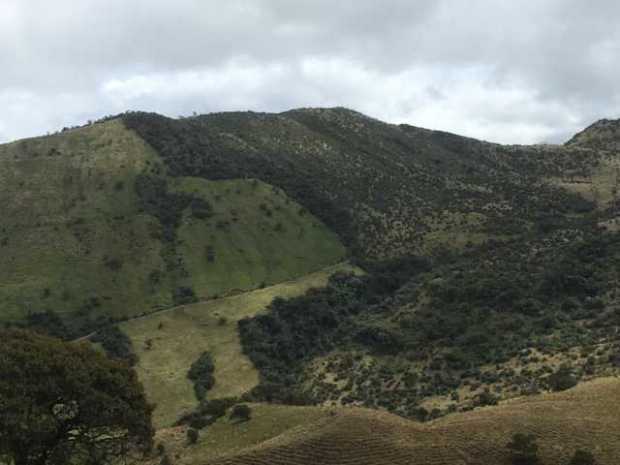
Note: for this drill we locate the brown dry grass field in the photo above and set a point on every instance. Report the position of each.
(587, 416)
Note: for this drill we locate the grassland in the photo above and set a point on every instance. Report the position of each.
(180, 335)
(74, 236)
(586, 417)
(68, 209)
(257, 236)
(226, 438)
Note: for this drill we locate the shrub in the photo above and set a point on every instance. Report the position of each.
(116, 344)
(184, 295)
(201, 373)
(562, 379)
(523, 449)
(241, 412)
(192, 436)
(583, 457)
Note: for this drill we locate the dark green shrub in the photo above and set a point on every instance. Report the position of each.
(523, 449)
(201, 373)
(583, 457)
(562, 379)
(241, 412)
(192, 436)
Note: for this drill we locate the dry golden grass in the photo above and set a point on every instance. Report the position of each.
(585, 417)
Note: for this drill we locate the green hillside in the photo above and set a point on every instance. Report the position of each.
(387, 190)
(177, 338)
(93, 226)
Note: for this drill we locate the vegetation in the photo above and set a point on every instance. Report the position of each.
(179, 336)
(62, 402)
(241, 412)
(387, 190)
(523, 449)
(583, 457)
(116, 344)
(108, 234)
(491, 272)
(560, 423)
(201, 373)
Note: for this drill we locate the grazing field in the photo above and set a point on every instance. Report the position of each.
(179, 336)
(586, 417)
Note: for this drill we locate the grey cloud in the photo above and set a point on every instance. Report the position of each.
(497, 69)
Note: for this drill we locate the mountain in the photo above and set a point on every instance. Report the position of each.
(387, 190)
(321, 257)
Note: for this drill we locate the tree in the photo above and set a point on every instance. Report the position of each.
(201, 373)
(192, 435)
(562, 379)
(64, 402)
(524, 449)
(583, 457)
(241, 412)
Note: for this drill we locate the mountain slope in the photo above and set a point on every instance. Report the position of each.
(93, 227)
(387, 190)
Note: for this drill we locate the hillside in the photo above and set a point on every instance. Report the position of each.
(177, 338)
(387, 190)
(583, 418)
(321, 257)
(93, 227)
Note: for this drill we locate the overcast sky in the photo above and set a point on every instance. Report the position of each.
(509, 71)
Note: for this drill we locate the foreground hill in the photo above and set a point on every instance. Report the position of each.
(586, 417)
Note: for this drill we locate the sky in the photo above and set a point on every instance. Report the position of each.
(526, 71)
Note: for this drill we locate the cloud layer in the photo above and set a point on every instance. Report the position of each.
(514, 72)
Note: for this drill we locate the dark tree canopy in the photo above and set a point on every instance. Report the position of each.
(64, 401)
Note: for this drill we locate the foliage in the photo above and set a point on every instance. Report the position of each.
(116, 343)
(523, 449)
(241, 412)
(61, 402)
(297, 329)
(207, 413)
(583, 457)
(192, 435)
(201, 373)
(562, 379)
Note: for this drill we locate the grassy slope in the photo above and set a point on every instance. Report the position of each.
(71, 213)
(226, 438)
(586, 417)
(258, 235)
(188, 331)
(68, 204)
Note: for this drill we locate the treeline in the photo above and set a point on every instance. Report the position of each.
(103, 330)
(298, 329)
(451, 318)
